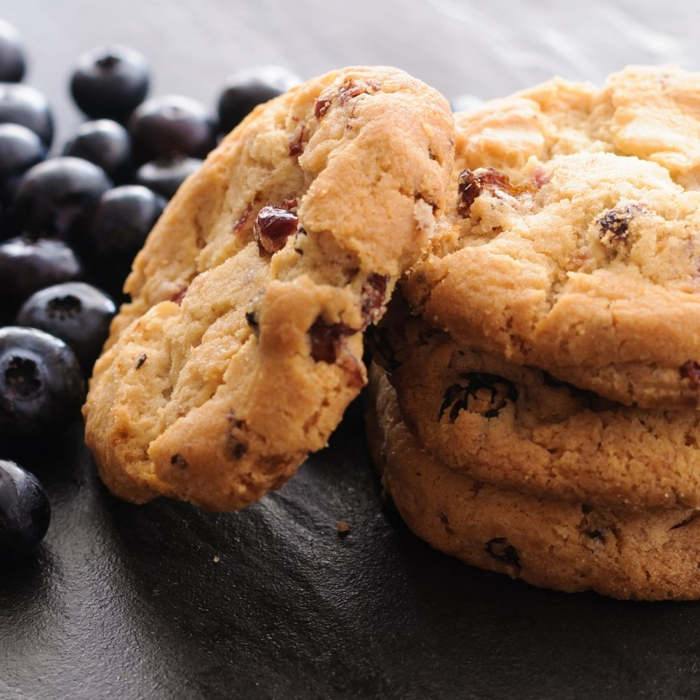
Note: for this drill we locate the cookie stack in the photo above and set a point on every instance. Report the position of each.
(537, 409)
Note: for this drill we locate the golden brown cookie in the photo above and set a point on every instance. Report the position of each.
(242, 345)
(573, 238)
(517, 427)
(648, 555)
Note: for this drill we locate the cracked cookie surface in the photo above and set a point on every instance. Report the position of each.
(518, 427)
(647, 555)
(572, 241)
(242, 344)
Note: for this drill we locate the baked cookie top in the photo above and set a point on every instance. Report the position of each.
(242, 344)
(518, 427)
(573, 237)
(647, 554)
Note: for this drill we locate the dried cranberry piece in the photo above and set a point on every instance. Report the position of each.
(350, 90)
(614, 224)
(241, 220)
(326, 339)
(179, 295)
(272, 228)
(540, 178)
(457, 395)
(321, 107)
(468, 189)
(500, 548)
(296, 141)
(690, 370)
(373, 294)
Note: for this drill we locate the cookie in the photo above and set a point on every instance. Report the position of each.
(517, 427)
(242, 344)
(648, 555)
(572, 241)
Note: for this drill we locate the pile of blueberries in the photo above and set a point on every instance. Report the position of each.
(70, 226)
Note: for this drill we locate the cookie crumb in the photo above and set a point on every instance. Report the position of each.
(343, 528)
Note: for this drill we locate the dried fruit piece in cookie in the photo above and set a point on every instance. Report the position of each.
(572, 239)
(518, 428)
(252, 293)
(643, 554)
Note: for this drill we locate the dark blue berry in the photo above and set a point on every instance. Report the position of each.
(27, 265)
(57, 197)
(167, 126)
(167, 174)
(248, 88)
(25, 512)
(103, 142)
(41, 383)
(110, 82)
(75, 312)
(12, 60)
(21, 104)
(123, 218)
(20, 149)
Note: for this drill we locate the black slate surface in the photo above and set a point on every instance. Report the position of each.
(164, 601)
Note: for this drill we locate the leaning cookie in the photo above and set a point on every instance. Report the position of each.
(241, 346)
(647, 555)
(572, 242)
(518, 427)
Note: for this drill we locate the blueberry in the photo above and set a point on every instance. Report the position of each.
(12, 60)
(77, 313)
(167, 174)
(103, 142)
(28, 265)
(41, 383)
(20, 148)
(57, 197)
(123, 219)
(171, 125)
(21, 104)
(110, 82)
(25, 512)
(248, 88)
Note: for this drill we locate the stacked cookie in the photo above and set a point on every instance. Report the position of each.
(537, 413)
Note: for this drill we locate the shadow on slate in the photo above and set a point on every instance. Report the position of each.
(129, 601)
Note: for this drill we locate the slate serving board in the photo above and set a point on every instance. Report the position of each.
(164, 601)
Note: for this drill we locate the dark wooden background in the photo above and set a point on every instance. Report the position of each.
(129, 602)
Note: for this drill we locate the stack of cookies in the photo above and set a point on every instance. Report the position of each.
(536, 408)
